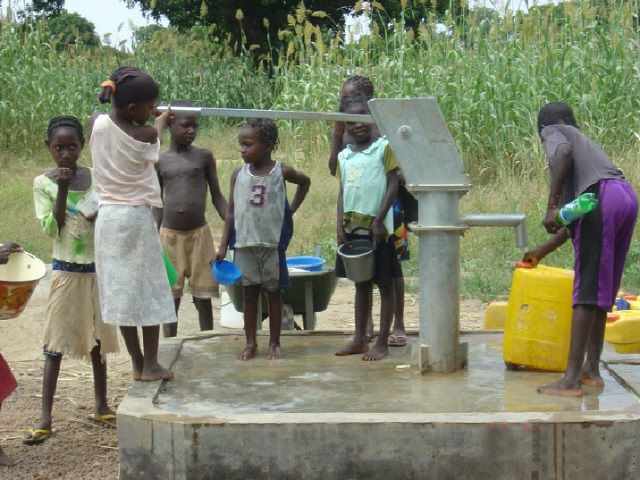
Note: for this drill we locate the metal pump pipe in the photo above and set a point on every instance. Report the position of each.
(250, 113)
(499, 220)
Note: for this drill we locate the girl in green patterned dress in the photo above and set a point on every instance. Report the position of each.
(66, 208)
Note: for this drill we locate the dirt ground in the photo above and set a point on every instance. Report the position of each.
(81, 449)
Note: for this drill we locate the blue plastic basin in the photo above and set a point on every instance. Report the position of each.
(226, 273)
(310, 264)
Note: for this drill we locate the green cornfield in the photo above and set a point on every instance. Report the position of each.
(490, 76)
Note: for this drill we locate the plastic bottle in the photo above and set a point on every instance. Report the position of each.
(577, 208)
(172, 275)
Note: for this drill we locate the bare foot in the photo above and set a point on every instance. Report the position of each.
(378, 352)
(274, 352)
(352, 348)
(249, 352)
(561, 388)
(138, 366)
(369, 334)
(157, 372)
(592, 380)
(5, 461)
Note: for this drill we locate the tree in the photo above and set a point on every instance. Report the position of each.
(415, 11)
(48, 7)
(257, 18)
(260, 19)
(72, 28)
(146, 33)
(67, 28)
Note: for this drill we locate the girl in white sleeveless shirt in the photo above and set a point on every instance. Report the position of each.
(132, 280)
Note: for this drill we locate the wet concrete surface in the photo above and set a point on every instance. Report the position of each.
(320, 417)
(311, 379)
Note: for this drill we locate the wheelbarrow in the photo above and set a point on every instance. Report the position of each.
(309, 293)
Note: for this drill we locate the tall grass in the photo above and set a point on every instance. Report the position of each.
(490, 79)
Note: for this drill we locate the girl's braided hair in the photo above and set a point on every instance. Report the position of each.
(361, 84)
(266, 128)
(65, 121)
(352, 99)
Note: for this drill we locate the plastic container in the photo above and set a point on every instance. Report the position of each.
(229, 316)
(624, 333)
(88, 205)
(621, 304)
(18, 279)
(310, 264)
(226, 272)
(358, 259)
(172, 275)
(577, 208)
(496, 316)
(538, 325)
(634, 304)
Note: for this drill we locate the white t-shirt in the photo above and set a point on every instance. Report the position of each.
(124, 170)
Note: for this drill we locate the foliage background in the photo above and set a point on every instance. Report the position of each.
(490, 74)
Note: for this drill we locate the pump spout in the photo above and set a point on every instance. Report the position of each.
(500, 220)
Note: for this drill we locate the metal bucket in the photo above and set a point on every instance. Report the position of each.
(358, 259)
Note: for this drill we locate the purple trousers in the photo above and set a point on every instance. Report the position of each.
(601, 242)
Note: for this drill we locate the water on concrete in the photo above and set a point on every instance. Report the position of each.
(313, 380)
(320, 417)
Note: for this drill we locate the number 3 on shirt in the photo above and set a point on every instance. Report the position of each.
(258, 196)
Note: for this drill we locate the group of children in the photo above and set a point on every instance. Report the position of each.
(108, 268)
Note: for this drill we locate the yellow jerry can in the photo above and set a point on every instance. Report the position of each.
(634, 304)
(623, 333)
(538, 325)
(495, 317)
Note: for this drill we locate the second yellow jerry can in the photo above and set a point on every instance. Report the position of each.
(495, 317)
(538, 325)
(623, 332)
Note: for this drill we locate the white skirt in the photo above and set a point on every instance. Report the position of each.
(132, 280)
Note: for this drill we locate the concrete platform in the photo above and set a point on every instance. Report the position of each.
(317, 416)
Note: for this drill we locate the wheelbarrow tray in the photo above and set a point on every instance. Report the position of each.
(309, 293)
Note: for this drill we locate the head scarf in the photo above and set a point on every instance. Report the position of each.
(129, 85)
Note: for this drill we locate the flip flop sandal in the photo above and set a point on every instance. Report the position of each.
(33, 440)
(106, 419)
(397, 340)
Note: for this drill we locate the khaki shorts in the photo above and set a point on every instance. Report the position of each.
(190, 252)
(260, 266)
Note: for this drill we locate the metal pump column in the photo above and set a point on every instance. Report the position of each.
(434, 172)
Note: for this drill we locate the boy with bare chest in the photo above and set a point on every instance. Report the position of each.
(186, 173)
